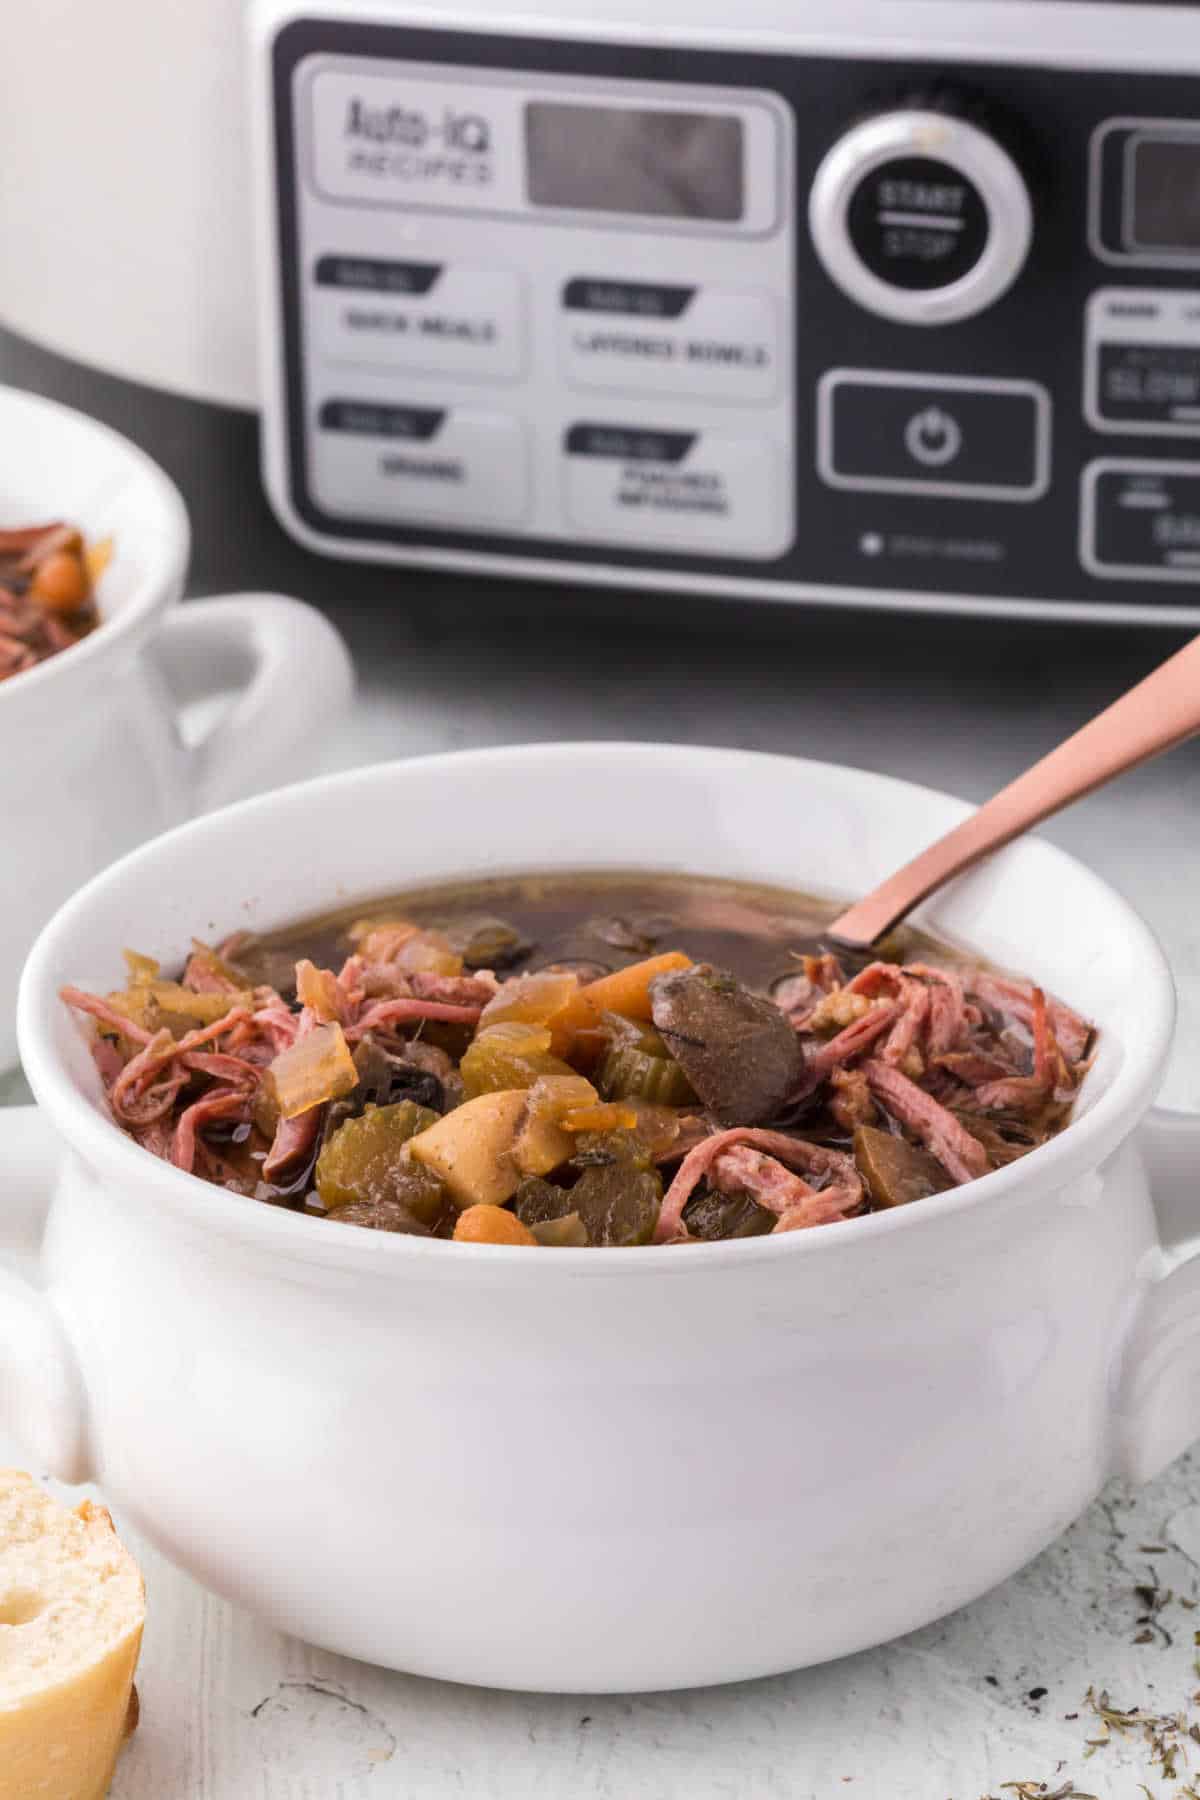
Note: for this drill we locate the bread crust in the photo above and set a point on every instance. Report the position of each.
(60, 1740)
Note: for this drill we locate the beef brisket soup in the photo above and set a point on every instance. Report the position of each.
(584, 1060)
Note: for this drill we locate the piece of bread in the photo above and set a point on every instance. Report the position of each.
(72, 1606)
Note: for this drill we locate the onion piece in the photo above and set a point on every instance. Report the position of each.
(316, 1068)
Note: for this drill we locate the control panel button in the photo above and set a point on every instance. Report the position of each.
(424, 316)
(376, 461)
(636, 484)
(917, 223)
(933, 434)
(666, 337)
(1143, 361)
(933, 437)
(1144, 195)
(920, 216)
(1141, 518)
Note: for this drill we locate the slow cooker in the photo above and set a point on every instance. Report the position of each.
(845, 301)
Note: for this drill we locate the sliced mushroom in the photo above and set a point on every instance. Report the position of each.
(894, 1170)
(736, 1048)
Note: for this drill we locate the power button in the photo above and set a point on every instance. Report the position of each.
(933, 437)
(885, 432)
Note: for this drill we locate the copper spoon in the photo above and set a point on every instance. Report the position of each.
(1160, 712)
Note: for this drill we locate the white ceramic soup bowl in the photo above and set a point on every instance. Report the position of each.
(92, 755)
(601, 1469)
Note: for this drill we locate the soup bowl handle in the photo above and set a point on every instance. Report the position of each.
(1158, 1385)
(291, 679)
(42, 1404)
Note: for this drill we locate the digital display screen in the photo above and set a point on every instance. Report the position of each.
(665, 165)
(1164, 201)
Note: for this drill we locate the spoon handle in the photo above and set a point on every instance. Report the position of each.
(1160, 712)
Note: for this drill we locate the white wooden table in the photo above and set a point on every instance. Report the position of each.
(231, 1711)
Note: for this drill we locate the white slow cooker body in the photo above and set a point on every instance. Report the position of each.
(131, 206)
(127, 210)
(143, 231)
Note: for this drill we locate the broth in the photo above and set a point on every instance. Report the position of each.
(757, 931)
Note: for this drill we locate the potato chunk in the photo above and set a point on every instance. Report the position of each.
(472, 1148)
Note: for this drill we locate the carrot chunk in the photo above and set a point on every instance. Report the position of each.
(625, 991)
(60, 582)
(603, 1117)
(491, 1225)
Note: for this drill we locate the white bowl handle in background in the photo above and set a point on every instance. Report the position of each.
(1158, 1389)
(292, 676)
(42, 1404)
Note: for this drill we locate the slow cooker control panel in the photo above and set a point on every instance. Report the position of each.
(759, 323)
(555, 310)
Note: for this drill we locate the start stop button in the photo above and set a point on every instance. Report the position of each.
(917, 223)
(920, 217)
